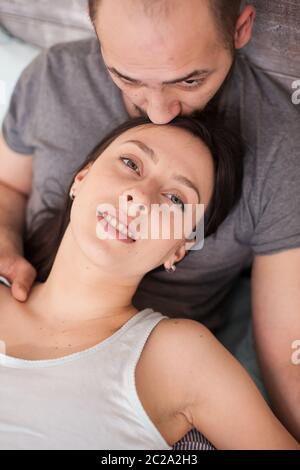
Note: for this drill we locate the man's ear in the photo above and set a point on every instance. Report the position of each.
(244, 27)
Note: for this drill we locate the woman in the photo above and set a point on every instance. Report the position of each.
(83, 367)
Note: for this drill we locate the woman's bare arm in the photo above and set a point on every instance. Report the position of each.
(215, 393)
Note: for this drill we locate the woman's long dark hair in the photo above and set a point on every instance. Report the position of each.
(41, 244)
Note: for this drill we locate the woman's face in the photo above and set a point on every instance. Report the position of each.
(146, 166)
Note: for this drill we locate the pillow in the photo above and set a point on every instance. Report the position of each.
(275, 44)
(14, 57)
(46, 22)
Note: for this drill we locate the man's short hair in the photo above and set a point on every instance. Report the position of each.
(225, 11)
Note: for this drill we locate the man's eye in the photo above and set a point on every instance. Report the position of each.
(192, 83)
(130, 163)
(177, 201)
(129, 82)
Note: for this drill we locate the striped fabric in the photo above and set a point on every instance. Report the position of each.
(193, 440)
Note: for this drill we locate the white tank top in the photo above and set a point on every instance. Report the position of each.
(86, 400)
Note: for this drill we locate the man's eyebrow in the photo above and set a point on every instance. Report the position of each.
(151, 154)
(195, 73)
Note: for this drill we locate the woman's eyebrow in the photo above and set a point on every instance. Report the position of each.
(154, 158)
(183, 180)
(147, 150)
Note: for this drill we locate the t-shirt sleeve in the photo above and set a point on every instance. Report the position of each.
(20, 120)
(277, 196)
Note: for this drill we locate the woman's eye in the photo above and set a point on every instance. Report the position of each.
(177, 201)
(130, 163)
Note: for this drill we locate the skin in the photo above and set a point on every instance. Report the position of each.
(125, 46)
(100, 268)
(151, 52)
(155, 49)
(57, 319)
(148, 50)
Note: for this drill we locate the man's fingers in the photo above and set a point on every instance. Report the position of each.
(19, 291)
(20, 273)
(23, 282)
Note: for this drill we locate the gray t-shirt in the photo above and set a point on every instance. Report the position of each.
(65, 102)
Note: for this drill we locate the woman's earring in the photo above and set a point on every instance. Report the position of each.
(72, 194)
(172, 269)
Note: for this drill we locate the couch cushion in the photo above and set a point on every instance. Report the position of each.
(46, 22)
(15, 55)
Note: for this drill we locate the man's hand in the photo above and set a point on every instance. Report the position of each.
(15, 188)
(276, 321)
(19, 272)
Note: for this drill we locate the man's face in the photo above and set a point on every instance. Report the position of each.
(165, 63)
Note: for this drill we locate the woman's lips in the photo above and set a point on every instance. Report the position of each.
(113, 232)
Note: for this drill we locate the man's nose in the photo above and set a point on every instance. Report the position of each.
(161, 109)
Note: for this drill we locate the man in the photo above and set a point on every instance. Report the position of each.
(164, 58)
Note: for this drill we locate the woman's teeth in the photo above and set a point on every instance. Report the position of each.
(117, 225)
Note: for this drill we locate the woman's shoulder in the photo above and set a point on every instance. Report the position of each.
(158, 377)
(172, 333)
(172, 340)
(174, 359)
(173, 348)
(175, 340)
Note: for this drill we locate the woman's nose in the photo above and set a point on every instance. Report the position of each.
(136, 201)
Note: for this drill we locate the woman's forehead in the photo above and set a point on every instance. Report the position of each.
(173, 150)
(166, 141)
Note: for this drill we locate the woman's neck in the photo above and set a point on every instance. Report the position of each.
(78, 291)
